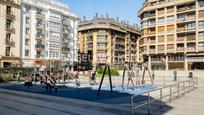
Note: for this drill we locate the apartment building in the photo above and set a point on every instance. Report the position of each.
(172, 35)
(9, 29)
(49, 33)
(108, 40)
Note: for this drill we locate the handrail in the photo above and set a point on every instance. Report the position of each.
(192, 83)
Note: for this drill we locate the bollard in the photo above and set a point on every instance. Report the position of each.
(170, 93)
(160, 98)
(175, 75)
(149, 101)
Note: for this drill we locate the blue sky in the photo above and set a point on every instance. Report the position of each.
(124, 9)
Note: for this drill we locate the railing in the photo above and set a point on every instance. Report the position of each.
(177, 89)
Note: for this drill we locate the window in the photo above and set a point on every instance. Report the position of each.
(201, 46)
(170, 47)
(170, 9)
(27, 42)
(191, 16)
(161, 29)
(8, 51)
(181, 17)
(201, 3)
(170, 19)
(161, 21)
(161, 11)
(27, 52)
(201, 35)
(27, 30)
(160, 39)
(170, 28)
(101, 45)
(170, 38)
(201, 25)
(27, 20)
(191, 26)
(161, 47)
(54, 25)
(201, 14)
(55, 35)
(54, 46)
(101, 38)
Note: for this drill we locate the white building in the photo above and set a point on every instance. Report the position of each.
(48, 33)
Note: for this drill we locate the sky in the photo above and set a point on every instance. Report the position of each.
(124, 9)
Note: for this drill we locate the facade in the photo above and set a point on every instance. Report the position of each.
(49, 33)
(108, 41)
(172, 35)
(10, 37)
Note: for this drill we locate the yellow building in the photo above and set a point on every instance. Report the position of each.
(9, 32)
(109, 41)
(172, 35)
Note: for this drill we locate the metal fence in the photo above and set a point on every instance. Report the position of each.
(165, 94)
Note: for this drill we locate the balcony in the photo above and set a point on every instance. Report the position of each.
(10, 3)
(40, 56)
(65, 49)
(190, 38)
(10, 43)
(180, 49)
(102, 41)
(7, 54)
(180, 39)
(152, 51)
(170, 50)
(40, 15)
(66, 22)
(10, 15)
(10, 29)
(152, 41)
(191, 48)
(39, 47)
(40, 36)
(65, 32)
(39, 26)
(186, 8)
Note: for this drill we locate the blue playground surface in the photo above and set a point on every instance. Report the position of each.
(87, 94)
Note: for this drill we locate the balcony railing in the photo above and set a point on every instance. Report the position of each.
(40, 56)
(191, 48)
(7, 54)
(190, 38)
(180, 39)
(40, 15)
(66, 22)
(40, 46)
(65, 49)
(170, 50)
(10, 29)
(39, 36)
(10, 43)
(10, 15)
(180, 48)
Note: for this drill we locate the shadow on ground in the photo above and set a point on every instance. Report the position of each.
(89, 94)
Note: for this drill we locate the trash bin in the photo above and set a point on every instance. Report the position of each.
(190, 75)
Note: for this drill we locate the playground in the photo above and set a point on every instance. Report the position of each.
(136, 88)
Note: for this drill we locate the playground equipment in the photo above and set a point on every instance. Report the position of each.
(110, 80)
(132, 70)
